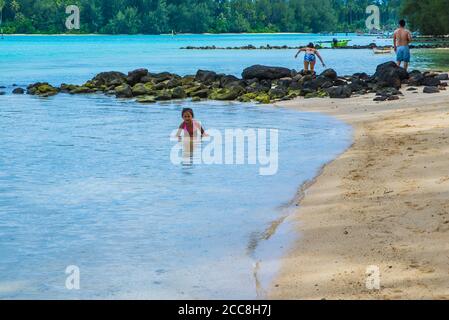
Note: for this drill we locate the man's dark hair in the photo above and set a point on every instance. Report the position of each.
(311, 45)
(402, 23)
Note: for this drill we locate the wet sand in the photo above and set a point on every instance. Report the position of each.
(383, 203)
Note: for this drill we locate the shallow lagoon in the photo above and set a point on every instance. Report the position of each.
(87, 180)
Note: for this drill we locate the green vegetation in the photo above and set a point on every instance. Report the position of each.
(219, 16)
(195, 16)
(2, 4)
(428, 16)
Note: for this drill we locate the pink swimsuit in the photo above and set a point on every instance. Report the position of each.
(196, 126)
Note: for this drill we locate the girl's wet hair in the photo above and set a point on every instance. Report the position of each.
(311, 45)
(189, 110)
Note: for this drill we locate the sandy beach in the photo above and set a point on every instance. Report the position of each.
(383, 203)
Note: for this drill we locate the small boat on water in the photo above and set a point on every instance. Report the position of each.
(340, 43)
(385, 50)
(335, 43)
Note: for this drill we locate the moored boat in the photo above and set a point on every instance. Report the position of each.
(384, 50)
(334, 43)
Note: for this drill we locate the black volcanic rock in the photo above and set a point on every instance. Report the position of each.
(329, 73)
(205, 76)
(135, 76)
(389, 74)
(339, 92)
(18, 91)
(265, 73)
(431, 90)
(109, 78)
(431, 82)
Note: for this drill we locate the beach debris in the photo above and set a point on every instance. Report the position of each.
(262, 84)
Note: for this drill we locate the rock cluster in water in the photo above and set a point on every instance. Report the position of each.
(285, 47)
(258, 83)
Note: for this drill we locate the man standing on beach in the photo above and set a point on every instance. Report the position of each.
(402, 38)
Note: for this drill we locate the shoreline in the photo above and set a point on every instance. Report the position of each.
(374, 205)
(278, 237)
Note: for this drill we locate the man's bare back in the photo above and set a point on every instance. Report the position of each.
(403, 37)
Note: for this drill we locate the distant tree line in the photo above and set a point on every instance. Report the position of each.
(214, 16)
(428, 16)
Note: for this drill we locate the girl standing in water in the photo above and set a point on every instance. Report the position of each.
(190, 126)
(191, 129)
(310, 57)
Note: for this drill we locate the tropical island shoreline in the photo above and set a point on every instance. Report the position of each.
(381, 204)
(162, 34)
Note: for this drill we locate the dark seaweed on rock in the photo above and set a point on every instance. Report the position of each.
(263, 84)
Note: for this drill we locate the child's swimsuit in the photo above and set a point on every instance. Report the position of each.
(309, 56)
(195, 127)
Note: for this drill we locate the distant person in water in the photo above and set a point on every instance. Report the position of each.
(189, 126)
(310, 57)
(402, 38)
